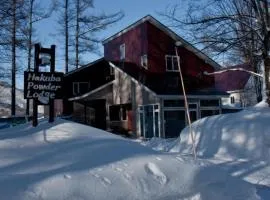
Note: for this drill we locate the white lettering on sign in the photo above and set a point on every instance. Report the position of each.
(42, 77)
(43, 86)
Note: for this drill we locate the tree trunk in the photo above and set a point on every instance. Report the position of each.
(266, 74)
(77, 34)
(66, 36)
(13, 68)
(29, 49)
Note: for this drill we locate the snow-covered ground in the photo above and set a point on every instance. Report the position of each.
(66, 160)
(237, 142)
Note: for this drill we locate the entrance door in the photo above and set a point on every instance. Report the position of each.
(149, 121)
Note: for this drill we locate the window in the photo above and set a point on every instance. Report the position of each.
(210, 102)
(80, 87)
(232, 100)
(174, 103)
(111, 71)
(206, 113)
(122, 51)
(171, 63)
(119, 112)
(114, 113)
(144, 62)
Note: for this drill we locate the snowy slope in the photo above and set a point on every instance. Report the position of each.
(5, 100)
(66, 160)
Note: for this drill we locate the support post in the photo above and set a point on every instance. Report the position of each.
(36, 69)
(51, 101)
(186, 105)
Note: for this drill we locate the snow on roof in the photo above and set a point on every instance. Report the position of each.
(233, 80)
(66, 160)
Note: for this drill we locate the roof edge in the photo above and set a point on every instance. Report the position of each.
(170, 33)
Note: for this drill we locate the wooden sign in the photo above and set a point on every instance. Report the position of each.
(43, 86)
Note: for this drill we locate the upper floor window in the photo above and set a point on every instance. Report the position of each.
(171, 63)
(80, 87)
(122, 51)
(144, 62)
(232, 100)
(111, 71)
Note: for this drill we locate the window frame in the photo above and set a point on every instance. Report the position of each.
(122, 50)
(174, 68)
(144, 58)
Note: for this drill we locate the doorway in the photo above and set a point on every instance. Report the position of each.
(149, 120)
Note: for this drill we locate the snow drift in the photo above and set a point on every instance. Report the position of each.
(66, 160)
(241, 135)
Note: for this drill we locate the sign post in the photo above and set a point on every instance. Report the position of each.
(43, 87)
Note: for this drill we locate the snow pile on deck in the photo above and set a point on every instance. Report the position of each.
(66, 160)
(241, 135)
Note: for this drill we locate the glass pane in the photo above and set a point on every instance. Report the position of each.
(192, 105)
(114, 113)
(169, 63)
(174, 103)
(210, 102)
(141, 124)
(174, 123)
(156, 124)
(206, 113)
(175, 63)
(193, 115)
(149, 121)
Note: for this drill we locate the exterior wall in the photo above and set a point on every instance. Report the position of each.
(243, 98)
(127, 91)
(192, 66)
(135, 41)
(58, 108)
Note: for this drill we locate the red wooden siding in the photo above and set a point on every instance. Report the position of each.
(159, 45)
(148, 39)
(135, 41)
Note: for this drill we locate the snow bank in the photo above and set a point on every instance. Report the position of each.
(66, 160)
(242, 135)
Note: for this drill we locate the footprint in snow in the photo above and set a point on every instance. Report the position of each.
(106, 181)
(66, 176)
(158, 158)
(119, 169)
(159, 176)
(179, 159)
(127, 176)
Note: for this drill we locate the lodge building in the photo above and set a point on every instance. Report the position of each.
(135, 88)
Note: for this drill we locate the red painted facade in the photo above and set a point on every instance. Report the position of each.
(146, 38)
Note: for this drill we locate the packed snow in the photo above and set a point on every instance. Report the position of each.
(66, 160)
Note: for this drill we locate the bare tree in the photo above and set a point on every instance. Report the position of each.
(35, 14)
(236, 27)
(81, 26)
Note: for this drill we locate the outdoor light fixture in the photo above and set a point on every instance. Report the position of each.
(45, 60)
(177, 44)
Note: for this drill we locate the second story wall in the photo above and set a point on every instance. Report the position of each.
(135, 42)
(161, 45)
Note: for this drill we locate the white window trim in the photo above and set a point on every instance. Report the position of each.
(174, 69)
(144, 58)
(122, 50)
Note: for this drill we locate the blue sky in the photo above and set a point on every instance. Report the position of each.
(134, 10)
